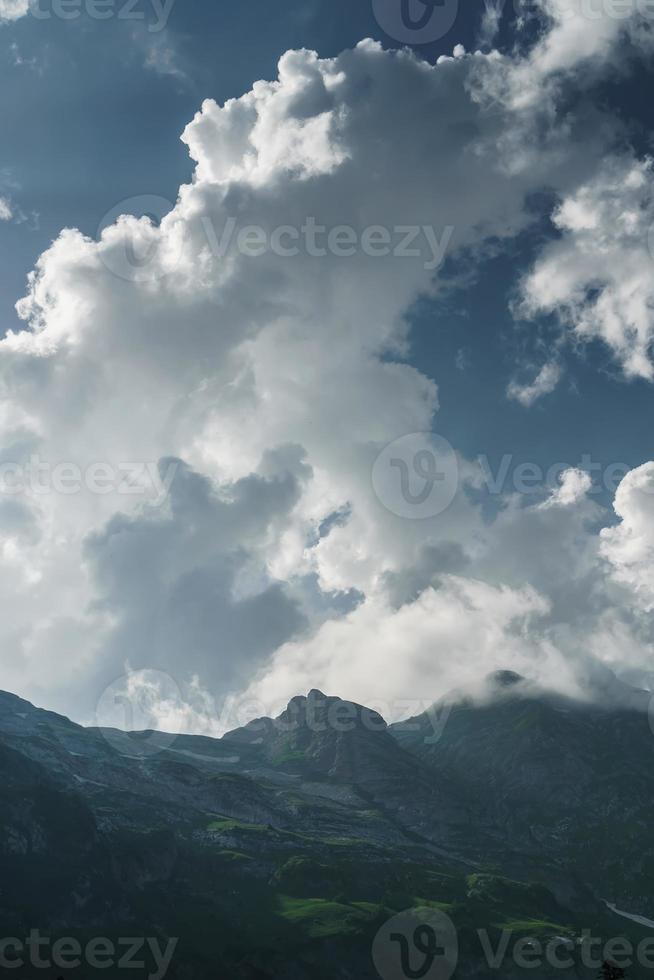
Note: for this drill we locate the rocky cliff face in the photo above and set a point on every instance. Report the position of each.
(281, 849)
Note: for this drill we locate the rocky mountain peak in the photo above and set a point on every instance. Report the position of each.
(320, 714)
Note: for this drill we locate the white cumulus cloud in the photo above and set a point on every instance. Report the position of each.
(543, 384)
(598, 276)
(629, 546)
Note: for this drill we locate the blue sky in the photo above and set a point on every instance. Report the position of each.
(275, 390)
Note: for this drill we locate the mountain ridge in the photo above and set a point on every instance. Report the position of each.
(327, 814)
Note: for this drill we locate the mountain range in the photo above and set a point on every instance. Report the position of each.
(283, 849)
